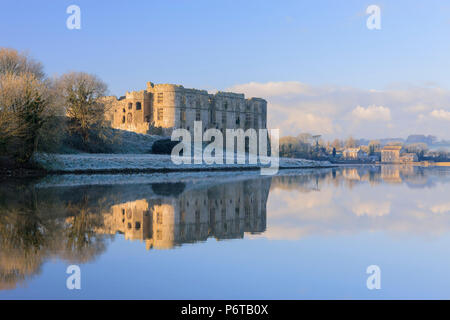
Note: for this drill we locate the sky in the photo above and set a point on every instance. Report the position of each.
(319, 66)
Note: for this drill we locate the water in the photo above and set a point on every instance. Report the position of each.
(304, 234)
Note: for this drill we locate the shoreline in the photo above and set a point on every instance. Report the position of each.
(7, 173)
(40, 173)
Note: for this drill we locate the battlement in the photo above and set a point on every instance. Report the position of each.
(230, 95)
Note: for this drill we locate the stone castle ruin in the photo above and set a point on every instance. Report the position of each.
(163, 107)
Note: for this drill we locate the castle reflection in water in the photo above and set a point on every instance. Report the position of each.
(224, 211)
(41, 220)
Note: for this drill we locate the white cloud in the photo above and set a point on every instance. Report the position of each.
(372, 113)
(441, 208)
(372, 209)
(441, 114)
(296, 107)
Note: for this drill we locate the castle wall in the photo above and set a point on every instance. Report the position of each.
(131, 112)
(169, 107)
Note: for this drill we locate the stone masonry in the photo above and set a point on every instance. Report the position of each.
(165, 107)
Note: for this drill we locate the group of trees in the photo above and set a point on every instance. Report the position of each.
(308, 146)
(38, 112)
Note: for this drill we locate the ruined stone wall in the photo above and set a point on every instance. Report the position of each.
(170, 106)
(132, 112)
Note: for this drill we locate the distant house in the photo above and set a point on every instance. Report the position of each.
(354, 154)
(394, 154)
(391, 154)
(409, 157)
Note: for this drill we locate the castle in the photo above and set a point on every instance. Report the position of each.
(164, 107)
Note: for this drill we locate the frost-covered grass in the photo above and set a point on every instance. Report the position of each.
(120, 162)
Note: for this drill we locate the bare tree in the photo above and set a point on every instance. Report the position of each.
(80, 94)
(374, 146)
(351, 143)
(27, 109)
(336, 144)
(14, 62)
(25, 104)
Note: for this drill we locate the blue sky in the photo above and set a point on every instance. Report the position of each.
(223, 44)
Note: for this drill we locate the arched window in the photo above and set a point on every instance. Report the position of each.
(130, 106)
(138, 106)
(129, 117)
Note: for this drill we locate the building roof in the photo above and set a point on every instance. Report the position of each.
(392, 148)
(352, 149)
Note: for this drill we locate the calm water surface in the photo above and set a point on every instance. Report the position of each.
(299, 235)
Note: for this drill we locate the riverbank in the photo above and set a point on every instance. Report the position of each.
(9, 169)
(148, 163)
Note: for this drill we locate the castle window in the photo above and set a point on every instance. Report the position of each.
(197, 114)
(197, 216)
(224, 119)
(138, 106)
(129, 117)
(123, 119)
(183, 100)
(182, 115)
(160, 113)
(137, 226)
(159, 218)
(225, 106)
(248, 120)
(238, 118)
(123, 110)
(130, 106)
(160, 97)
(212, 115)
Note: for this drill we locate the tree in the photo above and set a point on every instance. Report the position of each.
(80, 94)
(417, 148)
(351, 143)
(26, 105)
(14, 62)
(374, 146)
